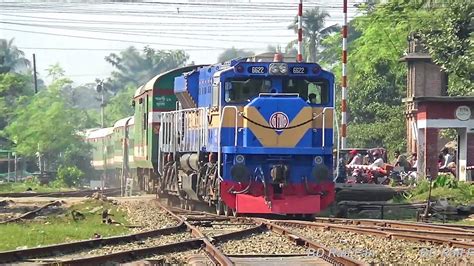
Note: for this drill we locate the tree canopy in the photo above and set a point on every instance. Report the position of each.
(376, 77)
(233, 53)
(450, 41)
(135, 68)
(13, 87)
(46, 125)
(120, 105)
(12, 59)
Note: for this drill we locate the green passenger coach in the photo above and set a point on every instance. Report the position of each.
(131, 145)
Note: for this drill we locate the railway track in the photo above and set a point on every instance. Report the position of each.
(266, 243)
(398, 224)
(64, 194)
(198, 237)
(442, 237)
(385, 241)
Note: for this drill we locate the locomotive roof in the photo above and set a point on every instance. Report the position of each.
(121, 122)
(153, 83)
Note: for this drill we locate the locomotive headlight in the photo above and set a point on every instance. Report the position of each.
(240, 159)
(278, 68)
(318, 160)
(274, 69)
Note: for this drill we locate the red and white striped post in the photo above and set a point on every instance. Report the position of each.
(344, 80)
(300, 31)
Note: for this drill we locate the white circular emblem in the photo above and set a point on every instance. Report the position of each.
(279, 120)
(463, 113)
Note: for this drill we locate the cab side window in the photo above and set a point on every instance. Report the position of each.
(313, 92)
(318, 92)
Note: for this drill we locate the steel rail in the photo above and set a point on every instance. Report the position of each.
(374, 229)
(394, 224)
(138, 254)
(31, 214)
(407, 236)
(215, 253)
(328, 255)
(23, 254)
(263, 225)
(72, 193)
(445, 234)
(134, 254)
(457, 226)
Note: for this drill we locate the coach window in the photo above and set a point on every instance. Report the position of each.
(314, 92)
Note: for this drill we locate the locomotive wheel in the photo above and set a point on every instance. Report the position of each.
(219, 207)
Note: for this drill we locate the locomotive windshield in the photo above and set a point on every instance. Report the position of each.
(314, 92)
(243, 90)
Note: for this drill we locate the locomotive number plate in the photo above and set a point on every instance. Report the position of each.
(258, 70)
(298, 70)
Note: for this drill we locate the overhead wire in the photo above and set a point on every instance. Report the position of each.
(229, 20)
(144, 31)
(192, 47)
(194, 36)
(88, 9)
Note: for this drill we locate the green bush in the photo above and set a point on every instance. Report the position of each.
(446, 181)
(443, 187)
(69, 176)
(422, 186)
(467, 190)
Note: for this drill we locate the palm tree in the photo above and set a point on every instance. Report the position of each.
(135, 68)
(11, 58)
(313, 31)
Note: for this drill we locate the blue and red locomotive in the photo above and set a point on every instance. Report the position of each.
(249, 136)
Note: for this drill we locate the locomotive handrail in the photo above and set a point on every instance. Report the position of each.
(221, 122)
(324, 126)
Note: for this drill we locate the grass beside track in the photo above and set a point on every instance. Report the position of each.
(62, 228)
(23, 186)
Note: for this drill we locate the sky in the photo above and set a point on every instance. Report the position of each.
(79, 34)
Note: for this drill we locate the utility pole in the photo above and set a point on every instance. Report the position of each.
(34, 73)
(100, 88)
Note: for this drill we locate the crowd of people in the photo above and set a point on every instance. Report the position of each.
(370, 166)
